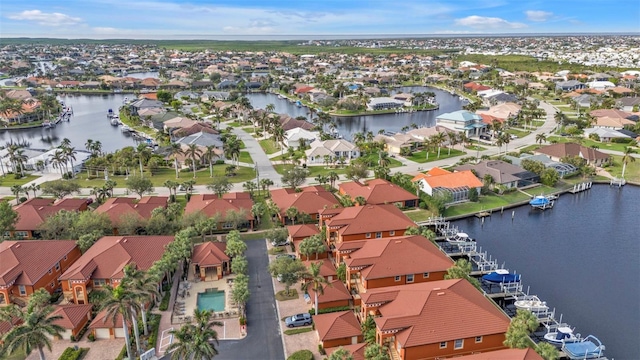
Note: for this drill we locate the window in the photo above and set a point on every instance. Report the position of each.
(378, 235)
(458, 344)
(392, 233)
(410, 278)
(23, 290)
(425, 275)
(398, 278)
(443, 345)
(52, 285)
(50, 271)
(99, 282)
(227, 225)
(478, 339)
(58, 266)
(367, 235)
(65, 258)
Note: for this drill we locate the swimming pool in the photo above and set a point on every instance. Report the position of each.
(211, 299)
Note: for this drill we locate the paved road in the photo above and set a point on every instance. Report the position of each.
(263, 340)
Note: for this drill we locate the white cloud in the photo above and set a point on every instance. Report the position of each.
(482, 22)
(46, 19)
(538, 15)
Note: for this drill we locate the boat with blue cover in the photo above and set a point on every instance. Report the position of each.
(542, 202)
(501, 276)
(588, 348)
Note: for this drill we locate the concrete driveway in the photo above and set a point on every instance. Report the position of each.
(263, 340)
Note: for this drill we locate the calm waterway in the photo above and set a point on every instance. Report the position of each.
(347, 126)
(581, 257)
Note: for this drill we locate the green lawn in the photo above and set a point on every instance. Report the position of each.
(269, 146)
(589, 143)
(245, 157)
(313, 170)
(485, 203)
(530, 148)
(249, 130)
(372, 160)
(475, 148)
(9, 180)
(163, 174)
(419, 215)
(632, 173)
(282, 156)
(518, 133)
(421, 156)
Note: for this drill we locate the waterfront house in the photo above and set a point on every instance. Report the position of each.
(503, 111)
(209, 261)
(569, 85)
(103, 263)
(178, 122)
(364, 223)
(563, 169)
(458, 183)
(378, 192)
(462, 121)
(74, 318)
(297, 136)
(475, 87)
(334, 295)
(211, 205)
(35, 211)
(502, 173)
(422, 321)
(26, 266)
(120, 209)
(384, 103)
(202, 139)
(333, 150)
(140, 104)
(337, 328)
(561, 150)
(392, 261)
(309, 200)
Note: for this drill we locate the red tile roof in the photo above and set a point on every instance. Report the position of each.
(101, 321)
(302, 231)
(209, 254)
(432, 312)
(451, 180)
(211, 205)
(561, 150)
(369, 218)
(356, 350)
(326, 269)
(413, 254)
(34, 211)
(116, 208)
(107, 258)
(72, 314)
(310, 199)
(377, 191)
(506, 354)
(337, 325)
(334, 291)
(27, 261)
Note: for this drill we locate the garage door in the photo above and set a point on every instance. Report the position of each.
(119, 333)
(102, 334)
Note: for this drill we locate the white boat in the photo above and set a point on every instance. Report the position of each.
(280, 96)
(588, 348)
(459, 238)
(531, 303)
(125, 128)
(115, 121)
(562, 333)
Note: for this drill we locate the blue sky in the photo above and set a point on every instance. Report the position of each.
(219, 18)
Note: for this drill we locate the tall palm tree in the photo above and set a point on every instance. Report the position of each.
(144, 287)
(35, 326)
(314, 280)
(122, 303)
(143, 153)
(627, 158)
(17, 190)
(195, 341)
(193, 152)
(34, 188)
(208, 155)
(540, 138)
(383, 159)
(438, 140)
(57, 160)
(69, 155)
(175, 149)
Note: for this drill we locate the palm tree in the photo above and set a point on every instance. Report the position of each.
(333, 177)
(122, 303)
(540, 138)
(438, 139)
(193, 152)
(17, 190)
(144, 287)
(69, 155)
(35, 327)
(292, 213)
(315, 281)
(175, 150)
(383, 159)
(143, 154)
(34, 188)
(172, 186)
(627, 158)
(209, 155)
(195, 341)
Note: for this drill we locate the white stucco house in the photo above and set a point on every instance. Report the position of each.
(293, 137)
(334, 149)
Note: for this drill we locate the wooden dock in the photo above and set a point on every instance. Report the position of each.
(483, 214)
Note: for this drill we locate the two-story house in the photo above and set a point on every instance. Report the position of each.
(309, 200)
(378, 192)
(213, 206)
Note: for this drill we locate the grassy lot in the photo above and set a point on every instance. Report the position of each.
(475, 148)
(530, 148)
(235, 124)
(421, 156)
(298, 330)
(373, 159)
(249, 130)
(484, 203)
(269, 146)
(163, 174)
(245, 157)
(313, 170)
(518, 133)
(9, 180)
(589, 143)
(419, 215)
(282, 296)
(247, 236)
(632, 173)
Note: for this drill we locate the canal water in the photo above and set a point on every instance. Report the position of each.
(89, 121)
(581, 257)
(347, 126)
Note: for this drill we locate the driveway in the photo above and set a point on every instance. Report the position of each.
(263, 340)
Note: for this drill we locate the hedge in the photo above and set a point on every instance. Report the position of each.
(72, 353)
(301, 355)
(312, 311)
(164, 304)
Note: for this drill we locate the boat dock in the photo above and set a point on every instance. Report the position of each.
(581, 187)
(510, 296)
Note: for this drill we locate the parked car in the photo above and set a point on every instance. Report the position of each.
(280, 243)
(290, 256)
(303, 319)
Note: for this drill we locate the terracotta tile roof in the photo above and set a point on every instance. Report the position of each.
(116, 208)
(209, 254)
(506, 354)
(158, 200)
(326, 269)
(369, 218)
(334, 291)
(337, 325)
(389, 257)
(72, 314)
(110, 254)
(561, 150)
(310, 200)
(27, 261)
(377, 191)
(610, 113)
(5, 326)
(356, 350)
(101, 321)
(34, 212)
(210, 204)
(450, 180)
(302, 231)
(432, 312)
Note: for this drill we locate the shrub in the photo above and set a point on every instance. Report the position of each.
(312, 311)
(91, 337)
(73, 353)
(243, 321)
(123, 353)
(301, 355)
(164, 304)
(22, 199)
(321, 350)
